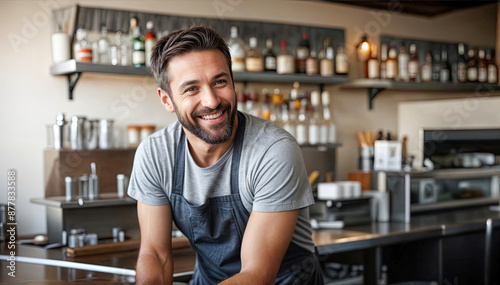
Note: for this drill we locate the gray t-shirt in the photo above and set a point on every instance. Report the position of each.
(272, 176)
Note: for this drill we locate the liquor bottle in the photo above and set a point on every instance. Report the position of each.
(241, 99)
(254, 61)
(383, 61)
(426, 75)
(269, 56)
(252, 106)
(326, 59)
(445, 71)
(103, 46)
(413, 63)
(461, 64)
(372, 67)
(302, 52)
(302, 126)
(341, 63)
(312, 65)
(149, 41)
(138, 49)
(315, 120)
(127, 49)
(403, 60)
(115, 49)
(286, 120)
(285, 60)
(492, 68)
(436, 65)
(482, 67)
(237, 50)
(392, 63)
(265, 109)
(276, 102)
(328, 133)
(471, 66)
(82, 49)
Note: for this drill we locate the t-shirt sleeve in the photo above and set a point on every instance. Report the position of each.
(145, 181)
(281, 182)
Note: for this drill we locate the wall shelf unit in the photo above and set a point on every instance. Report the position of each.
(375, 86)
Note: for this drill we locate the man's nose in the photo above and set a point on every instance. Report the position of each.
(210, 99)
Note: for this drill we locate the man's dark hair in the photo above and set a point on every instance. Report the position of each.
(195, 38)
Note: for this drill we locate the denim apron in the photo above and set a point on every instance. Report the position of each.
(215, 229)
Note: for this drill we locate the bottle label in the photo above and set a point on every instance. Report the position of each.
(326, 67)
(444, 75)
(138, 57)
(342, 65)
(462, 72)
(426, 73)
(314, 134)
(286, 64)
(472, 74)
(403, 68)
(413, 69)
(238, 63)
(482, 75)
(373, 68)
(391, 69)
(254, 64)
(84, 55)
(270, 63)
(492, 74)
(302, 53)
(312, 66)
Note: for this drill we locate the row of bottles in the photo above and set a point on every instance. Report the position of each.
(133, 48)
(407, 67)
(306, 116)
(303, 60)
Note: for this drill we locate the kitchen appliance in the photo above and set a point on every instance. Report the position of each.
(77, 132)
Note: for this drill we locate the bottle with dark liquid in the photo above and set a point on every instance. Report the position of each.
(461, 64)
(302, 53)
(426, 75)
(492, 68)
(482, 67)
(413, 63)
(269, 56)
(383, 61)
(444, 72)
(436, 65)
(392, 63)
(471, 66)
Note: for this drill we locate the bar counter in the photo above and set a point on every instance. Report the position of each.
(329, 243)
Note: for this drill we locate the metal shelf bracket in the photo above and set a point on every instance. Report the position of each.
(372, 93)
(72, 80)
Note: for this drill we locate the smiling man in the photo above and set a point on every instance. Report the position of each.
(234, 184)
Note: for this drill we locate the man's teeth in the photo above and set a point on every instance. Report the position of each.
(211, 117)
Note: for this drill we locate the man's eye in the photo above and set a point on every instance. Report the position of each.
(220, 81)
(191, 89)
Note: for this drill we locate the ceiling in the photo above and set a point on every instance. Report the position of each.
(421, 8)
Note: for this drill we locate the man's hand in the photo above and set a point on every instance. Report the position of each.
(154, 265)
(266, 239)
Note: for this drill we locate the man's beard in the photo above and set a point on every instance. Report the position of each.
(225, 129)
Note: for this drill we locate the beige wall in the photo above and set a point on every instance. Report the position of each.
(30, 96)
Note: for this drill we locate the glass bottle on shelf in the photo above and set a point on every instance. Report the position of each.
(82, 49)
(392, 63)
(138, 49)
(326, 65)
(254, 61)
(436, 65)
(241, 99)
(471, 66)
(265, 109)
(286, 119)
(383, 61)
(445, 71)
(315, 120)
(103, 45)
(312, 66)
(328, 132)
(302, 52)
(413, 69)
(403, 60)
(482, 67)
(149, 41)
(461, 64)
(372, 68)
(252, 106)
(285, 60)
(492, 67)
(269, 56)
(237, 50)
(276, 101)
(302, 123)
(426, 75)
(341, 62)
(115, 49)
(127, 50)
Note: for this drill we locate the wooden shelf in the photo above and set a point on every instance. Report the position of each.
(375, 86)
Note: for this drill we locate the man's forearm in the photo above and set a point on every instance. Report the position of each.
(151, 270)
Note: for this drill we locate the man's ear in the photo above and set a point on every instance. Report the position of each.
(165, 100)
